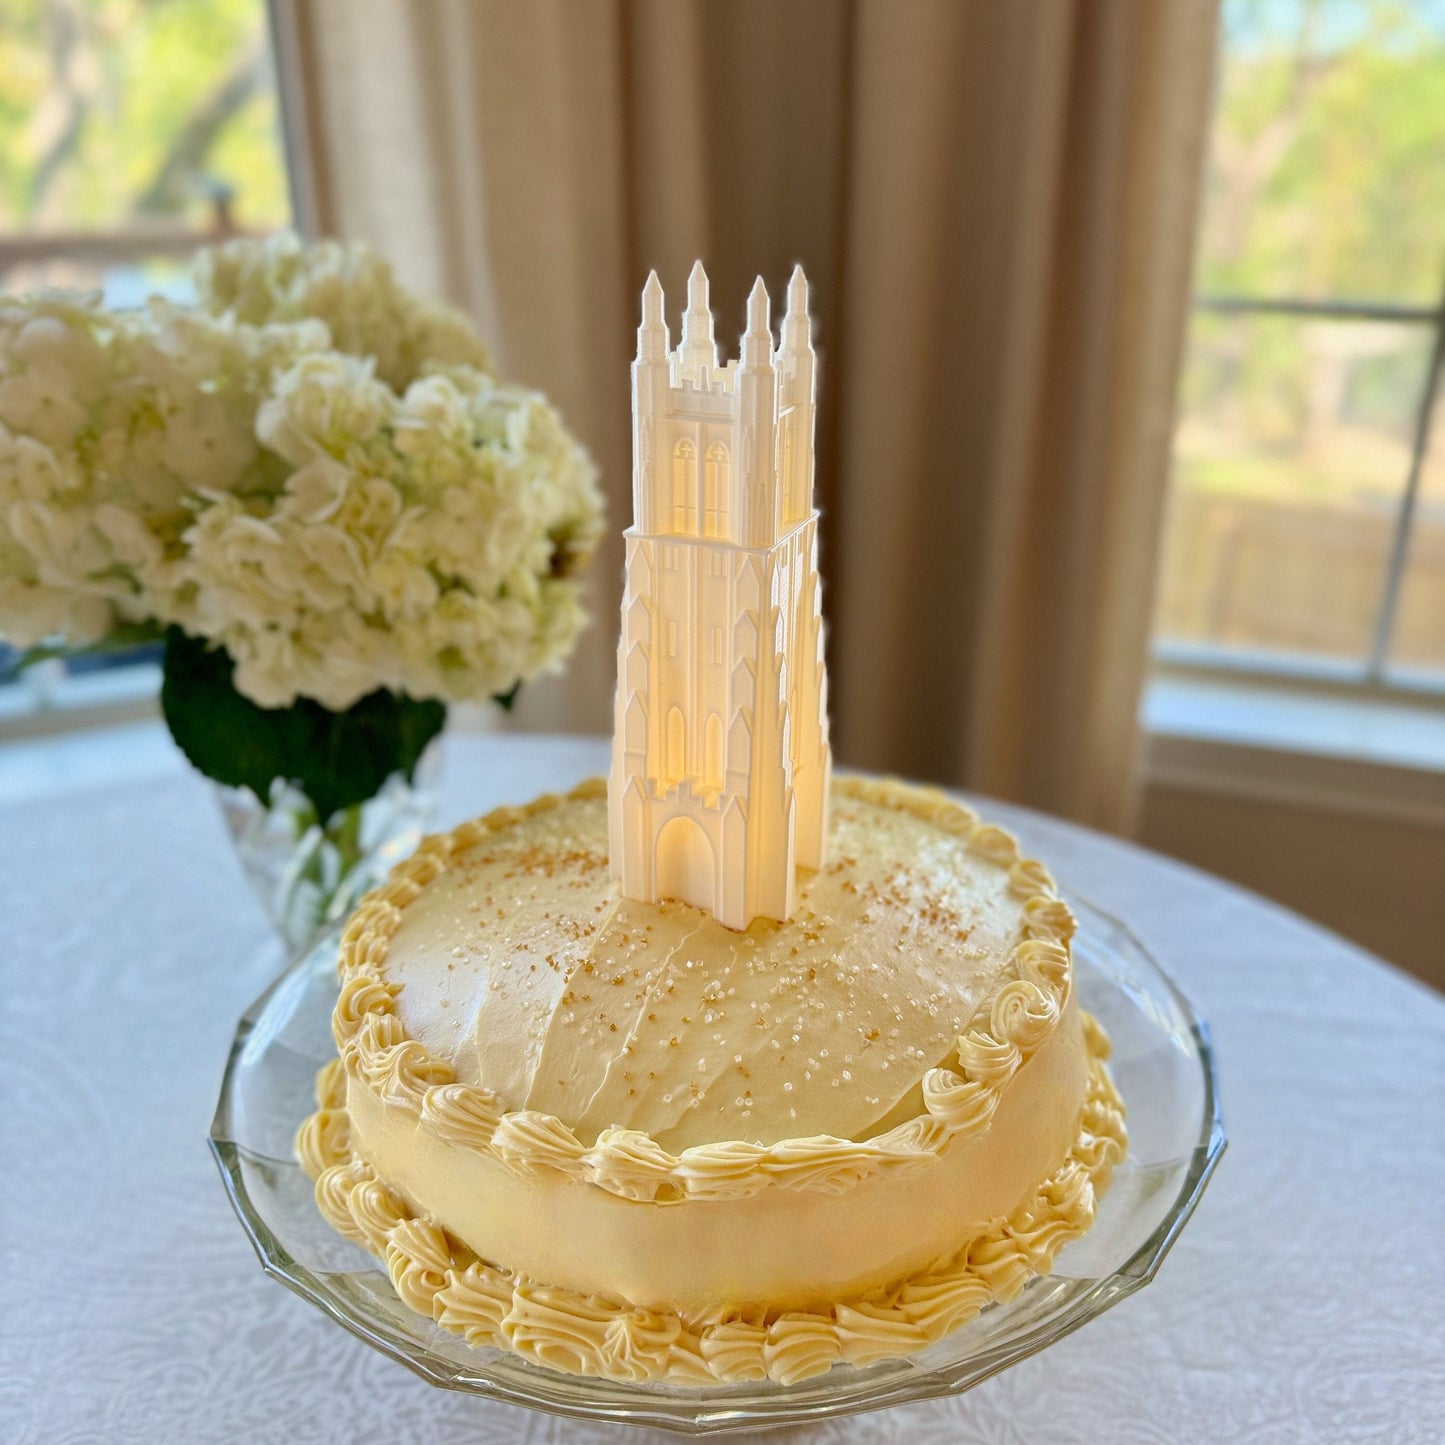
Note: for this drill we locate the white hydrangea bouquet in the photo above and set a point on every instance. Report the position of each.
(312, 488)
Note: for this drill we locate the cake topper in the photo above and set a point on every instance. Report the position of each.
(720, 755)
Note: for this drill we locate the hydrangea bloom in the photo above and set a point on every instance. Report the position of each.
(366, 310)
(313, 469)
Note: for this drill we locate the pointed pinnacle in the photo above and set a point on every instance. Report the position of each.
(697, 338)
(758, 307)
(797, 325)
(697, 287)
(652, 298)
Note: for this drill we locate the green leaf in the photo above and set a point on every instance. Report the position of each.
(335, 758)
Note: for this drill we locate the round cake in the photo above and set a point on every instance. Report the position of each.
(622, 1139)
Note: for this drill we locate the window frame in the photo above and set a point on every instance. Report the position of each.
(1374, 675)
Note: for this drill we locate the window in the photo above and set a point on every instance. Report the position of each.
(676, 748)
(712, 753)
(684, 487)
(130, 135)
(715, 491)
(1306, 528)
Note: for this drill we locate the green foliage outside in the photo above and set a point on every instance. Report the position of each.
(116, 111)
(1325, 182)
(1326, 178)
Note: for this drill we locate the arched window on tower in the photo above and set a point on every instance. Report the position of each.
(684, 487)
(676, 747)
(715, 478)
(788, 466)
(712, 753)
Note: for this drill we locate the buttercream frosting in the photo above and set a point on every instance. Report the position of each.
(594, 1333)
(540, 1075)
(1031, 984)
(527, 972)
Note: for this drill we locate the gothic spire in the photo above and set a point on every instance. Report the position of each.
(698, 345)
(797, 329)
(652, 298)
(652, 335)
(757, 347)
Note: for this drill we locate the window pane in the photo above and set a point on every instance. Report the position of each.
(123, 284)
(1289, 464)
(1418, 644)
(1325, 177)
(146, 127)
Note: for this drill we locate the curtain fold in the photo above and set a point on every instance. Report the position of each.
(996, 207)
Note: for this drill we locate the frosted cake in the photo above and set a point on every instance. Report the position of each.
(622, 1139)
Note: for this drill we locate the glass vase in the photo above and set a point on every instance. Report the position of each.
(306, 874)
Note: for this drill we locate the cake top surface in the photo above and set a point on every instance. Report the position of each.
(522, 967)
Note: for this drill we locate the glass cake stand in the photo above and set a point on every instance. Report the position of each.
(1162, 1063)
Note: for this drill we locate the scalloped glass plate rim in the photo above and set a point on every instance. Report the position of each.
(725, 1408)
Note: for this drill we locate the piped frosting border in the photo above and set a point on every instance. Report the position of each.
(593, 1334)
(959, 1097)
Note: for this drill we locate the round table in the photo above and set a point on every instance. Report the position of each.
(1303, 1302)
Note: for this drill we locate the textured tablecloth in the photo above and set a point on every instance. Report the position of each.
(1305, 1301)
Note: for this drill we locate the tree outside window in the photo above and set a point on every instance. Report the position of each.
(1306, 529)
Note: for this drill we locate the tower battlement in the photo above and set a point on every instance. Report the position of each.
(720, 754)
(722, 450)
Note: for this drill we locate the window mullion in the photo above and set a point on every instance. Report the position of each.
(1404, 522)
(1294, 306)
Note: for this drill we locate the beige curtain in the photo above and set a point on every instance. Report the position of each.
(996, 205)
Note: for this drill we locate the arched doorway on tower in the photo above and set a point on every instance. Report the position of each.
(685, 867)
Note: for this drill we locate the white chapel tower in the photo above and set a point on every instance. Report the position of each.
(720, 756)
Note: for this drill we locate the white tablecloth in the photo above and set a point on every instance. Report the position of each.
(1305, 1301)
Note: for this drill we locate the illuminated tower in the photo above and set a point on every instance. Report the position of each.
(720, 755)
